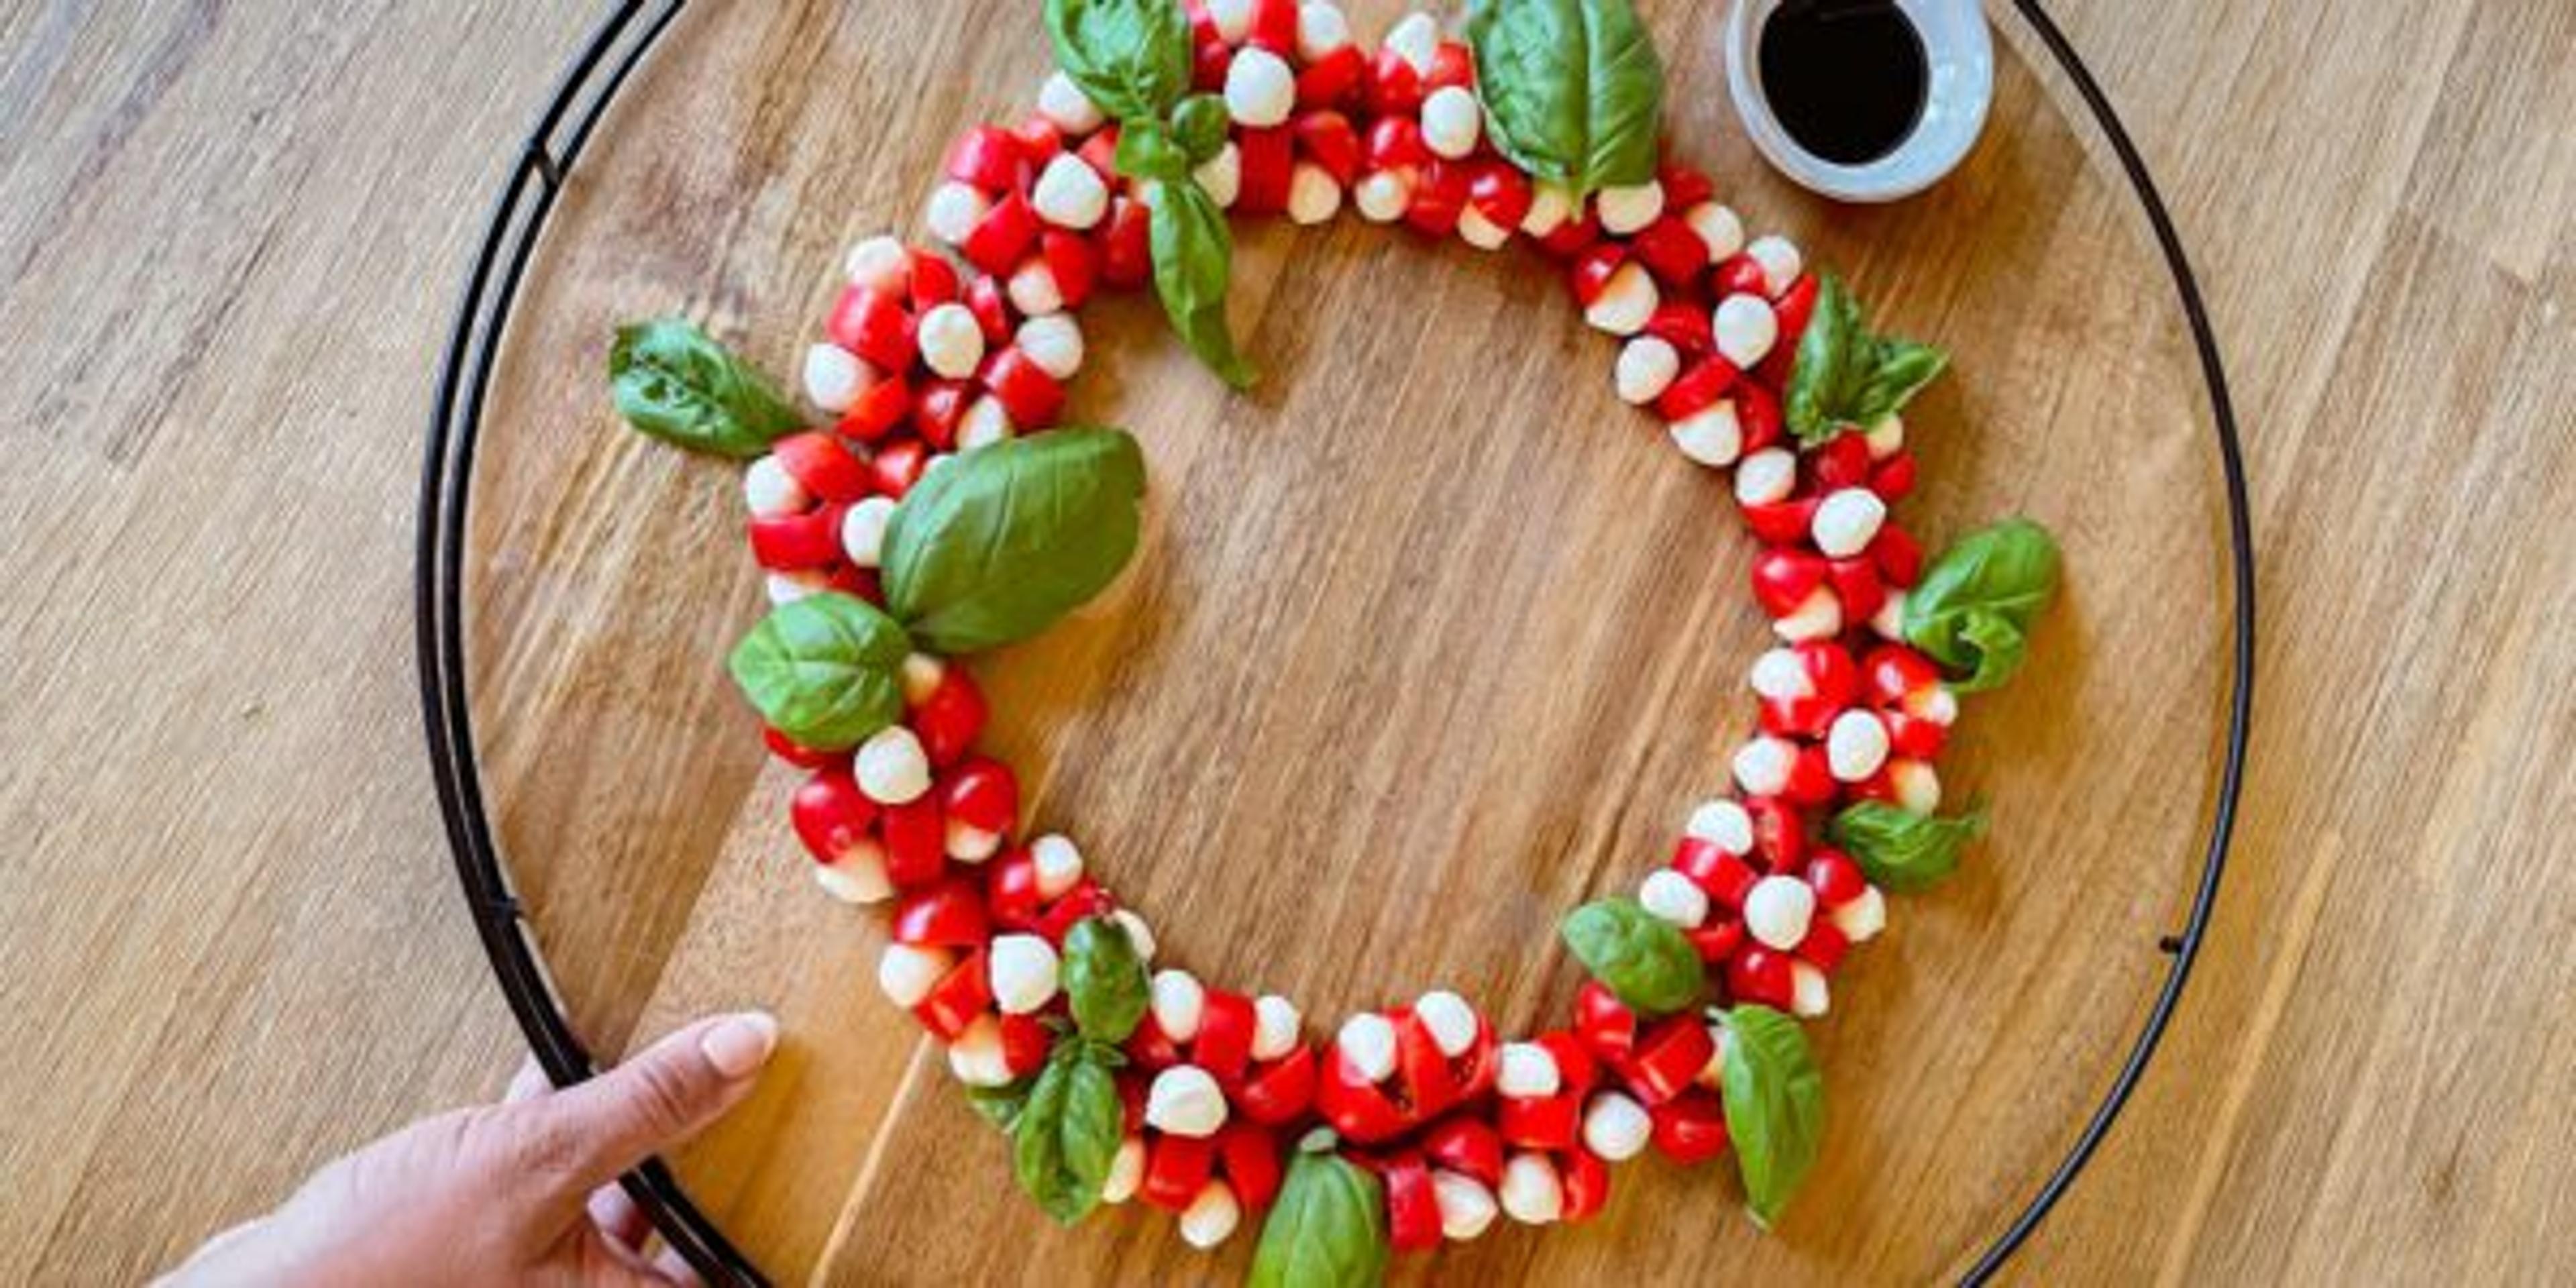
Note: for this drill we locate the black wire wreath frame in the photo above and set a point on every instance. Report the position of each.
(582, 97)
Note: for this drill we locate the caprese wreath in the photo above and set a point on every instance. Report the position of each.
(944, 511)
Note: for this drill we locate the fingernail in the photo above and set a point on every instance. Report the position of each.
(738, 1045)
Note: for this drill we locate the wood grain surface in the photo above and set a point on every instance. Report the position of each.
(1429, 639)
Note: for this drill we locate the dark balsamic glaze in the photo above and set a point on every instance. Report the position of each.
(1847, 78)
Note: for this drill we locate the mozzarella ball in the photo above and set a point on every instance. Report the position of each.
(1889, 620)
(1718, 227)
(863, 528)
(1260, 90)
(1126, 1171)
(952, 341)
(977, 1058)
(1616, 1127)
(1033, 289)
(1781, 677)
(1711, 436)
(966, 843)
(1777, 911)
(858, 876)
(1467, 1208)
(788, 587)
(1817, 617)
(1232, 18)
(921, 674)
(907, 974)
(891, 767)
(772, 492)
(1313, 197)
(1550, 207)
(1886, 438)
(1918, 786)
(1185, 1101)
(1063, 103)
(1367, 1044)
(985, 423)
(1763, 765)
(1724, 824)
(1766, 476)
(1058, 864)
(1531, 1192)
(1674, 898)
(1647, 367)
(878, 264)
(1482, 233)
(1053, 342)
(1070, 194)
(1275, 1025)
(1023, 970)
(1847, 521)
(1452, 122)
(1745, 329)
(1416, 40)
(1452, 1023)
(1221, 176)
(1321, 30)
(1626, 301)
(833, 377)
(1138, 933)
(1862, 917)
(1780, 263)
(1527, 1072)
(1808, 995)
(1211, 1217)
(1381, 197)
(1625, 211)
(954, 210)
(1179, 1003)
(1856, 745)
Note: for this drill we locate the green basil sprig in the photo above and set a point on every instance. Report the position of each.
(1193, 265)
(1637, 955)
(1104, 980)
(1065, 1136)
(1199, 125)
(676, 383)
(997, 543)
(1573, 89)
(1148, 150)
(1129, 57)
(1844, 375)
(1001, 1105)
(1973, 609)
(1328, 1227)
(824, 670)
(1775, 1106)
(1900, 850)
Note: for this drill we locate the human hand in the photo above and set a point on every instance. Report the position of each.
(519, 1192)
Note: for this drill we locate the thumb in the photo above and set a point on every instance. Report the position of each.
(671, 1091)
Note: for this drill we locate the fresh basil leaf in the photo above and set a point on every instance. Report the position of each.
(1066, 1137)
(1973, 609)
(1637, 955)
(674, 382)
(1132, 57)
(1898, 370)
(825, 670)
(1775, 1106)
(1193, 262)
(1328, 1227)
(1148, 151)
(1573, 89)
(1104, 980)
(1844, 375)
(997, 543)
(1001, 1105)
(1900, 850)
(1199, 125)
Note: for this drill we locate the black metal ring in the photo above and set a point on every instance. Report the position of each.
(519, 215)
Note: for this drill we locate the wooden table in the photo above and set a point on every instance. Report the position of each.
(233, 947)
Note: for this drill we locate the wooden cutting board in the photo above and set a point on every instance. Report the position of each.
(1430, 639)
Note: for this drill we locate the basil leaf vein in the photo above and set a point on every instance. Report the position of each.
(1775, 1106)
(1641, 957)
(998, 543)
(675, 383)
(824, 670)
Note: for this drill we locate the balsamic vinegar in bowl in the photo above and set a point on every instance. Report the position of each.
(1847, 79)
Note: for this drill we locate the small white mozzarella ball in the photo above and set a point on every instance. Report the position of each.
(1321, 30)
(968, 844)
(1626, 301)
(833, 377)
(1550, 207)
(1531, 1192)
(1482, 233)
(1233, 19)
(1064, 104)
(1381, 197)
(1886, 438)
(1053, 342)
(1211, 1217)
(1452, 1023)
(1712, 436)
(1674, 898)
(1808, 995)
(1033, 290)
(984, 424)
(1070, 194)
(976, 1057)
(1712, 1075)
(1138, 933)
(1918, 787)
(1126, 1171)
(1781, 677)
(1367, 1044)
(858, 876)
(879, 264)
(952, 341)
(1647, 367)
(921, 674)
(1856, 745)
(1625, 211)
(1889, 620)
(1260, 90)
(1777, 911)
(1058, 864)
(1221, 176)
(1528, 1072)
(954, 210)
(1313, 197)
(1023, 970)
(1847, 521)
(1766, 476)
(1762, 766)
(1817, 617)
(863, 529)
(1452, 122)
(1933, 702)
(1179, 1002)
(1724, 824)
(1718, 228)
(1745, 329)
(1185, 1101)
(907, 974)
(788, 587)
(1862, 917)
(1780, 262)
(1416, 40)
(1275, 1025)
(772, 492)
(891, 767)
(1467, 1208)
(1616, 1127)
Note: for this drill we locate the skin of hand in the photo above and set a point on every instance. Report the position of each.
(522, 1192)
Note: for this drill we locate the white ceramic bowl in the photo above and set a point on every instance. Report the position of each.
(1961, 85)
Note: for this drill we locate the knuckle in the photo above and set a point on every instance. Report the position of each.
(662, 1096)
(543, 1147)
